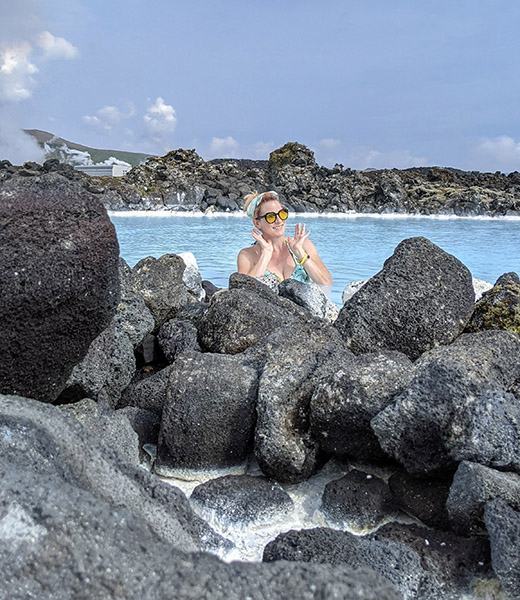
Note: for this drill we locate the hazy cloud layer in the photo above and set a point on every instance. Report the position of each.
(56, 47)
(108, 117)
(501, 153)
(226, 147)
(159, 123)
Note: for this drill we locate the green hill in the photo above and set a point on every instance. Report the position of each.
(76, 154)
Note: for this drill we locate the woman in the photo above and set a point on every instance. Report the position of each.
(275, 257)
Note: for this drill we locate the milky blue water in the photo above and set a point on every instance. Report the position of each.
(353, 246)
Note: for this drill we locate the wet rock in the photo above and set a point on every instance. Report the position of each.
(503, 526)
(132, 316)
(499, 308)
(242, 499)
(106, 370)
(284, 445)
(207, 422)
(177, 336)
(159, 283)
(423, 297)
(239, 318)
(343, 405)
(452, 396)
(473, 486)
(424, 499)
(358, 501)
(149, 393)
(59, 276)
(311, 297)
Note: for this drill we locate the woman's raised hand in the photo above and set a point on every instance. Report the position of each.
(296, 242)
(266, 246)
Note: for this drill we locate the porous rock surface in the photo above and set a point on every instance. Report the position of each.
(59, 280)
(440, 419)
(359, 501)
(242, 499)
(423, 297)
(209, 415)
(343, 405)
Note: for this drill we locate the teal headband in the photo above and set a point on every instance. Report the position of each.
(250, 211)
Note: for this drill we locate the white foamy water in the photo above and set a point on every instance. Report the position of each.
(250, 539)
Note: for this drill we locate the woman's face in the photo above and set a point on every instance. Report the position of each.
(276, 229)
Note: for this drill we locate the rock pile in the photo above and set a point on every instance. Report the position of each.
(181, 180)
(423, 415)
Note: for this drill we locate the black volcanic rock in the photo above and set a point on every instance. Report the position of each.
(421, 298)
(59, 280)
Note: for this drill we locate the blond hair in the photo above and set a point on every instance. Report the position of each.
(254, 200)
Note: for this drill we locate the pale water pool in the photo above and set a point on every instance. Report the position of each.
(353, 246)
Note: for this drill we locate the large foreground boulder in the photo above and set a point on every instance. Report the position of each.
(207, 422)
(59, 281)
(421, 298)
(456, 407)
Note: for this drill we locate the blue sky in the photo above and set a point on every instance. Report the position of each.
(365, 83)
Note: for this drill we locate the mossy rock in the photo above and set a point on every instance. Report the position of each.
(499, 308)
(292, 153)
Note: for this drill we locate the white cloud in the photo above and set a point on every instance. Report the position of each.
(367, 158)
(16, 71)
(224, 147)
(501, 153)
(107, 118)
(261, 150)
(56, 47)
(329, 144)
(160, 121)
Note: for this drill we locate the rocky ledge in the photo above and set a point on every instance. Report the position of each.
(182, 180)
(112, 375)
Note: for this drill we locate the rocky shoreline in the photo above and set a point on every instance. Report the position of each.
(112, 375)
(182, 181)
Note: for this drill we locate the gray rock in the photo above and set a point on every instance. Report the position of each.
(207, 422)
(132, 315)
(242, 499)
(343, 405)
(239, 318)
(311, 297)
(473, 486)
(113, 427)
(429, 427)
(50, 444)
(159, 283)
(177, 336)
(399, 565)
(423, 297)
(106, 370)
(149, 393)
(503, 526)
(419, 563)
(51, 550)
(145, 423)
(59, 276)
(358, 501)
(424, 499)
(284, 445)
(499, 308)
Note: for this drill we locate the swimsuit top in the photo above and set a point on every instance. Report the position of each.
(299, 272)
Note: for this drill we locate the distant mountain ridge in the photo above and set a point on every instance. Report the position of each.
(77, 154)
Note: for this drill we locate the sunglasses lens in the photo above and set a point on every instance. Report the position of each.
(270, 217)
(283, 214)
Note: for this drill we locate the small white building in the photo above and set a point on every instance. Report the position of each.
(99, 170)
